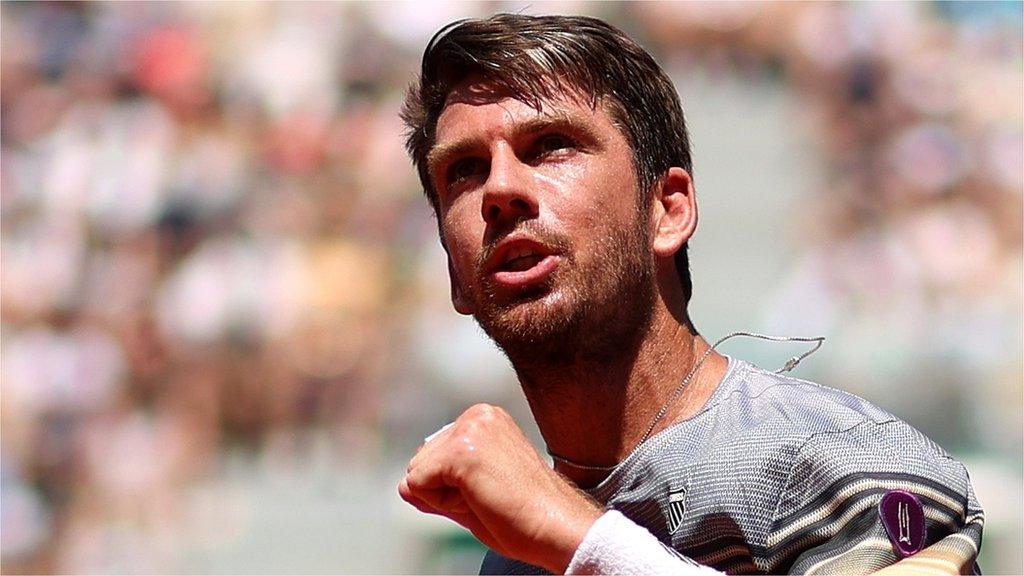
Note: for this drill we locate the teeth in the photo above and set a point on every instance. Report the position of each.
(518, 253)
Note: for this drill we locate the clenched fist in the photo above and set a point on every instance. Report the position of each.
(483, 473)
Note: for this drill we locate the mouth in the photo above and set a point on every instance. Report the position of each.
(521, 262)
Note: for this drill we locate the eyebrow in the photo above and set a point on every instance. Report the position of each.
(554, 120)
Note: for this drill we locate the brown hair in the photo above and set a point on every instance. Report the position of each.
(540, 58)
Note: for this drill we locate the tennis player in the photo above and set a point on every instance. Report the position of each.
(556, 157)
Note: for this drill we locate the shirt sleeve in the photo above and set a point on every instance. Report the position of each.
(829, 518)
(616, 545)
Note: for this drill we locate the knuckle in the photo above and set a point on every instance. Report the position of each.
(485, 413)
(479, 410)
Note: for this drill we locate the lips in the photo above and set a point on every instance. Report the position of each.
(520, 262)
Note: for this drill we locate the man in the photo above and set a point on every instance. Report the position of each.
(555, 155)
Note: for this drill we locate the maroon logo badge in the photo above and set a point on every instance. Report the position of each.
(903, 517)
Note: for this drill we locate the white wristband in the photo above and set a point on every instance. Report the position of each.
(616, 545)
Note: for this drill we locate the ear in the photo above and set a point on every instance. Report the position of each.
(459, 300)
(674, 212)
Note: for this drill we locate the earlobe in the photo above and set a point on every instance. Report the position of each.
(675, 212)
(459, 300)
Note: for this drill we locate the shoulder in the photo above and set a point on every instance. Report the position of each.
(838, 436)
(759, 423)
(753, 432)
(834, 438)
(842, 454)
(847, 471)
(829, 507)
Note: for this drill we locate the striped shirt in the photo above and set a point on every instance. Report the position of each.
(780, 475)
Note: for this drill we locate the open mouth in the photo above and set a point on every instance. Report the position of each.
(521, 262)
(520, 259)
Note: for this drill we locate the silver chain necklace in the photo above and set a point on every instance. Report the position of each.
(790, 364)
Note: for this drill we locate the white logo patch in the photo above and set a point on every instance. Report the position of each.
(675, 510)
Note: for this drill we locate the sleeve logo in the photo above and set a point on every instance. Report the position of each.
(903, 517)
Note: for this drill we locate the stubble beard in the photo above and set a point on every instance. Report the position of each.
(595, 313)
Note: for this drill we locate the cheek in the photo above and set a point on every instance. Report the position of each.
(462, 240)
(594, 198)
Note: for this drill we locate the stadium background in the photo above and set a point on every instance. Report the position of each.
(225, 317)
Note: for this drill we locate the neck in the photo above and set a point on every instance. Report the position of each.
(594, 410)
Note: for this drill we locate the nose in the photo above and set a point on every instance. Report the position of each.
(508, 192)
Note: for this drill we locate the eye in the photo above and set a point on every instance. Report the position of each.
(554, 143)
(465, 169)
(553, 146)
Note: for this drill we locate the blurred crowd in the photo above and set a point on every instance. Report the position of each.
(910, 249)
(212, 240)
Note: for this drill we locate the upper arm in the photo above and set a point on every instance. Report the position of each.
(828, 518)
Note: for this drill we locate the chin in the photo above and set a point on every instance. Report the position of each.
(529, 317)
(545, 329)
(564, 326)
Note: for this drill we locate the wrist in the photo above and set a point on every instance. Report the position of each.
(571, 530)
(617, 545)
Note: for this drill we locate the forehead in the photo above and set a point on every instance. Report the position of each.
(476, 104)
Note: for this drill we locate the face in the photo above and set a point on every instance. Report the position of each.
(539, 214)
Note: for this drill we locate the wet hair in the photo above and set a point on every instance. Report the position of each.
(543, 58)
